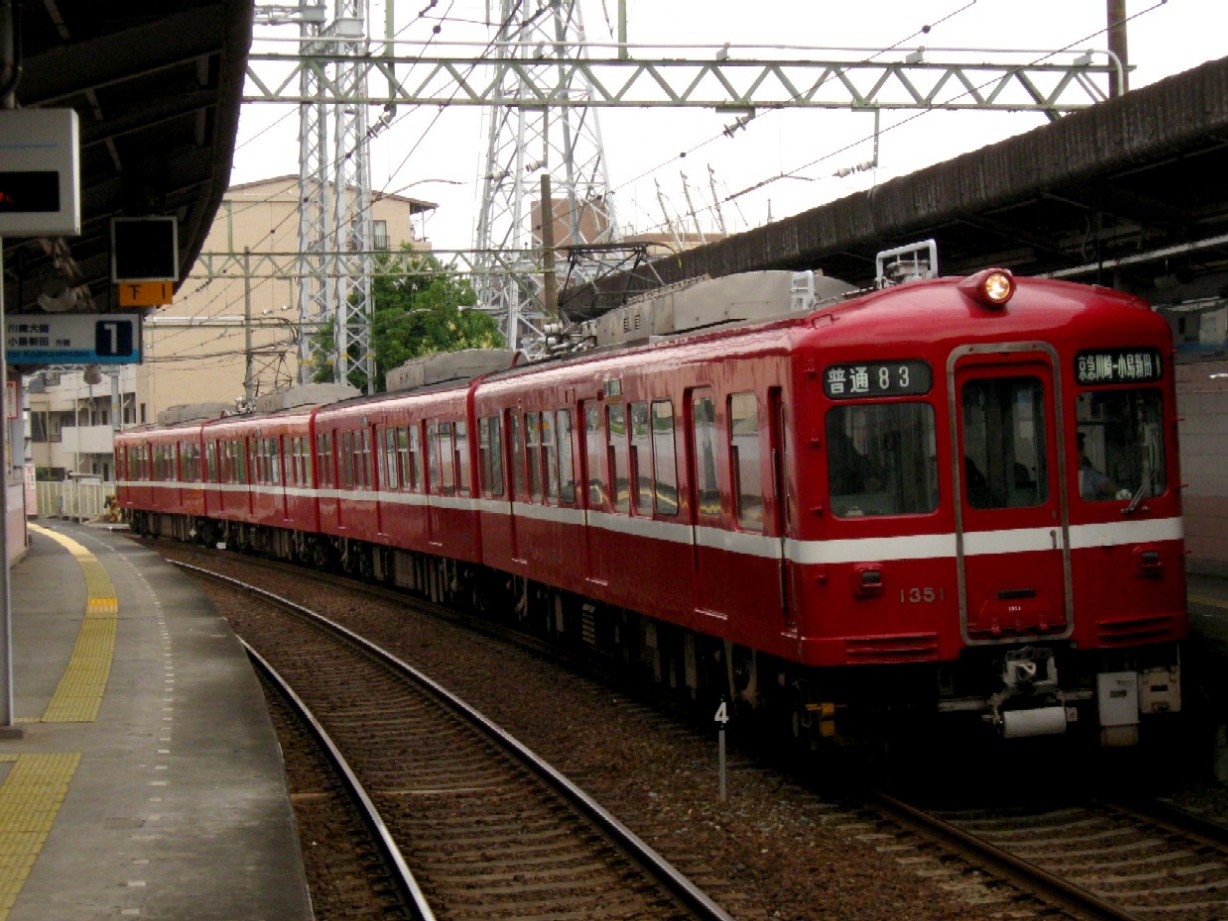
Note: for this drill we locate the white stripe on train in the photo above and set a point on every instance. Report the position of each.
(809, 553)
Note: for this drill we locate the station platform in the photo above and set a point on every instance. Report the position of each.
(141, 776)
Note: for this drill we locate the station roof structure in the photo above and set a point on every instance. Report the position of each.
(156, 87)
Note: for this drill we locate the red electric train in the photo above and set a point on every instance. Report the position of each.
(953, 497)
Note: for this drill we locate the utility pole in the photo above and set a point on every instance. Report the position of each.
(1117, 44)
(249, 388)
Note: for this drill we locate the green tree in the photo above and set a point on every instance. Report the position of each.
(419, 309)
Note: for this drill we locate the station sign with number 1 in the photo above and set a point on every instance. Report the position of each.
(73, 338)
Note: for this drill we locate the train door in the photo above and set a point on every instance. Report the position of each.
(1012, 525)
(596, 478)
(708, 523)
(780, 522)
(515, 447)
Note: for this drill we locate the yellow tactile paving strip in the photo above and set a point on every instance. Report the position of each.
(30, 798)
(79, 694)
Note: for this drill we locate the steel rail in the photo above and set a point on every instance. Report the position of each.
(1048, 886)
(406, 883)
(669, 876)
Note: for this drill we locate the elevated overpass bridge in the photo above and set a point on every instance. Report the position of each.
(1131, 193)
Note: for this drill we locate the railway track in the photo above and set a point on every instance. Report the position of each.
(821, 848)
(361, 873)
(489, 830)
(1101, 860)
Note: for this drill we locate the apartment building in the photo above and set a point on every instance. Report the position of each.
(195, 350)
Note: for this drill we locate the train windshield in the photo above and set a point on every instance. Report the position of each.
(1120, 444)
(881, 459)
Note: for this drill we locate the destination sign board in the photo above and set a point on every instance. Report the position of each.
(1118, 366)
(73, 338)
(877, 379)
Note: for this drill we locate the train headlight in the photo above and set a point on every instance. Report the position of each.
(991, 288)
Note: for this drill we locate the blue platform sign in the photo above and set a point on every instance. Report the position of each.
(73, 338)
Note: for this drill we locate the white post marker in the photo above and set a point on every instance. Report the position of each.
(722, 717)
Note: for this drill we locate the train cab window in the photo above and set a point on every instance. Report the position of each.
(703, 423)
(460, 430)
(664, 457)
(1004, 428)
(533, 460)
(620, 466)
(882, 459)
(517, 448)
(744, 460)
(490, 453)
(567, 467)
(595, 453)
(1120, 444)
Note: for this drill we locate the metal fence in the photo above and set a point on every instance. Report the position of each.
(81, 500)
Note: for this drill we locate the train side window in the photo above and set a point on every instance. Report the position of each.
(703, 423)
(664, 457)
(364, 459)
(447, 460)
(550, 454)
(241, 459)
(432, 458)
(517, 449)
(532, 441)
(595, 453)
(567, 466)
(324, 449)
(345, 456)
(384, 452)
(461, 430)
(416, 473)
(620, 466)
(641, 458)
(882, 459)
(490, 450)
(744, 460)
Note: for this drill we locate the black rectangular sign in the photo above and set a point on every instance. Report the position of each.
(1118, 366)
(877, 379)
(29, 191)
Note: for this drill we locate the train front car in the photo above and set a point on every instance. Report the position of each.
(989, 520)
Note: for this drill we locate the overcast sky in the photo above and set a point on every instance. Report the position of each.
(438, 155)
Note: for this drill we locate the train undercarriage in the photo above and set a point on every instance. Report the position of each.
(1011, 692)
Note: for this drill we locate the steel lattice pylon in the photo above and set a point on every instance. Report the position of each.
(335, 228)
(353, 229)
(524, 142)
(313, 184)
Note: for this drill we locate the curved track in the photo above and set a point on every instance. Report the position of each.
(490, 830)
(1100, 860)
